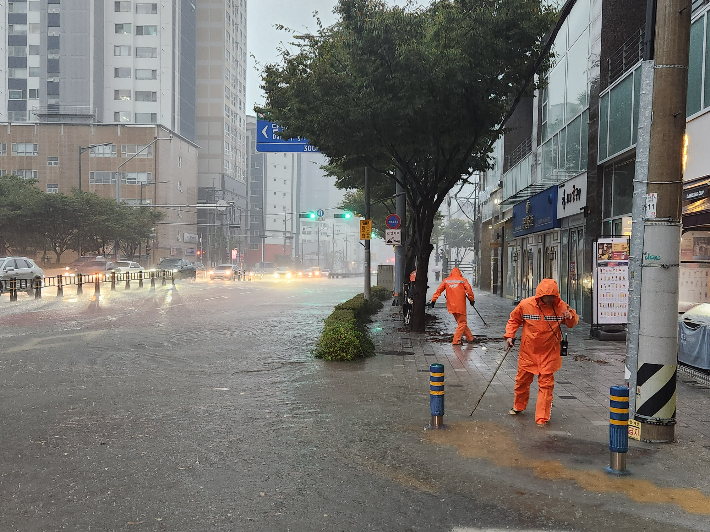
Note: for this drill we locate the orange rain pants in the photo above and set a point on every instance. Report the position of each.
(461, 328)
(545, 384)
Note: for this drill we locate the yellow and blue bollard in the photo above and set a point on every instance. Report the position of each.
(618, 430)
(436, 396)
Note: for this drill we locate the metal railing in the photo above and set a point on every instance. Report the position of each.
(519, 153)
(626, 56)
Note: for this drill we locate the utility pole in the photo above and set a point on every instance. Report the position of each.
(651, 359)
(367, 242)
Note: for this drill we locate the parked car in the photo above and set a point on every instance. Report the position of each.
(181, 268)
(224, 271)
(127, 266)
(21, 268)
(90, 265)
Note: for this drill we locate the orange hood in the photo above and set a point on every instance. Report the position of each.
(455, 274)
(547, 287)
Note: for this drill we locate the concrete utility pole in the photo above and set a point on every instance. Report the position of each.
(367, 242)
(399, 251)
(656, 229)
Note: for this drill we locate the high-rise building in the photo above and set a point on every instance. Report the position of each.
(122, 61)
(221, 118)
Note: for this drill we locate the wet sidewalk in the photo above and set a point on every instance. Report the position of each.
(578, 432)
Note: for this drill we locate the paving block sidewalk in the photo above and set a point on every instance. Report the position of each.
(580, 413)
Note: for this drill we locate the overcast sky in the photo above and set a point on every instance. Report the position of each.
(263, 39)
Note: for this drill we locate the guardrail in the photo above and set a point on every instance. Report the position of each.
(80, 280)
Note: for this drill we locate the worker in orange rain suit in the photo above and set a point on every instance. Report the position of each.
(457, 291)
(541, 317)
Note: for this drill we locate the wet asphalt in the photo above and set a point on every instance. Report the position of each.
(200, 408)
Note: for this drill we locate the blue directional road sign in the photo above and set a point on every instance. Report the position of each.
(267, 140)
(320, 213)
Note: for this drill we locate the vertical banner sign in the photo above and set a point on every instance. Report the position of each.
(611, 294)
(365, 229)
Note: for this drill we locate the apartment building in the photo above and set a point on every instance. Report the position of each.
(126, 62)
(221, 116)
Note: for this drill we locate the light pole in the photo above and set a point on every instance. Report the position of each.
(118, 180)
(82, 149)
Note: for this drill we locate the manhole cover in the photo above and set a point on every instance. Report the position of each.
(399, 353)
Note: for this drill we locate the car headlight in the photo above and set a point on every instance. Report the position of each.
(317, 274)
(227, 272)
(276, 275)
(211, 272)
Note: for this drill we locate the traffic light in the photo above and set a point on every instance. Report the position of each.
(347, 215)
(310, 215)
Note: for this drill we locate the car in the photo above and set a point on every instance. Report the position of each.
(199, 266)
(282, 273)
(315, 271)
(127, 266)
(22, 268)
(88, 265)
(224, 271)
(180, 267)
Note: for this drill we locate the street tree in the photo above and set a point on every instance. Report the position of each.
(422, 90)
(59, 222)
(20, 200)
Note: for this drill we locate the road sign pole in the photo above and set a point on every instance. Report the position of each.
(367, 241)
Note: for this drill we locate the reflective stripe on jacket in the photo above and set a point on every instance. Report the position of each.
(457, 291)
(540, 342)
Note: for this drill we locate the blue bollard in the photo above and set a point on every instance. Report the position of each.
(436, 395)
(618, 430)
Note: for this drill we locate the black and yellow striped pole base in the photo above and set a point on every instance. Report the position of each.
(618, 430)
(436, 396)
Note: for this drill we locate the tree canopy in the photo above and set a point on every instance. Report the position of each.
(419, 90)
(32, 221)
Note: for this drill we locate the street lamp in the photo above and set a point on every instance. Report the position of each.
(82, 149)
(118, 180)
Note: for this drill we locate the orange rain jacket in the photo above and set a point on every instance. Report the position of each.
(542, 332)
(457, 290)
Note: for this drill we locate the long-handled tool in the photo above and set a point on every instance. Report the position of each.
(490, 381)
(479, 315)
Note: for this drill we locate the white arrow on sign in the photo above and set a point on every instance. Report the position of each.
(263, 131)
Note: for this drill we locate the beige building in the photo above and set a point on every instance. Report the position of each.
(160, 172)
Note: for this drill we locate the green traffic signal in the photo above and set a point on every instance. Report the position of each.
(346, 215)
(312, 215)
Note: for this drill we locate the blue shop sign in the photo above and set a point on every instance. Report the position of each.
(538, 213)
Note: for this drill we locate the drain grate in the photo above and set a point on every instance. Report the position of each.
(567, 397)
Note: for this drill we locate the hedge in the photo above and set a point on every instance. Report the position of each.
(345, 335)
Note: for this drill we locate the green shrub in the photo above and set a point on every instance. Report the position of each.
(344, 335)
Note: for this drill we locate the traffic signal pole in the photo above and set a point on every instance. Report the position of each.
(367, 241)
(656, 229)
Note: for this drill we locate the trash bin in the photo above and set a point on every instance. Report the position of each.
(694, 337)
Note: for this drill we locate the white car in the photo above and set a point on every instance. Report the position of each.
(127, 266)
(21, 268)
